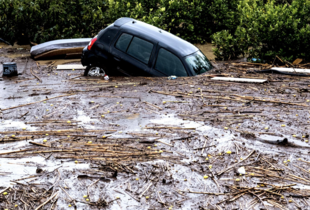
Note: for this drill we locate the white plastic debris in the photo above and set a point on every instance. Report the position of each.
(230, 79)
(241, 170)
(70, 67)
(106, 77)
(293, 70)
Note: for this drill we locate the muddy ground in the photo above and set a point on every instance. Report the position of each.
(72, 142)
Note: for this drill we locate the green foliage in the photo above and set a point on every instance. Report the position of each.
(43, 20)
(257, 28)
(194, 20)
(266, 30)
(129, 8)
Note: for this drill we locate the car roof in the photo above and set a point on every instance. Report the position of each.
(176, 44)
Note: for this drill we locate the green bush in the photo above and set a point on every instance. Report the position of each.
(267, 30)
(194, 20)
(43, 20)
(256, 28)
(130, 8)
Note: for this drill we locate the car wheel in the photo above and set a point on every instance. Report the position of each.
(94, 71)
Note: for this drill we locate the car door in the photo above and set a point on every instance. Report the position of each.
(166, 63)
(132, 54)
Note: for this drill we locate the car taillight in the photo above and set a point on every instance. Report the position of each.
(92, 42)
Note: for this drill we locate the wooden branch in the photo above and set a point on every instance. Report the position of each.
(204, 146)
(206, 193)
(157, 107)
(38, 78)
(234, 165)
(48, 200)
(38, 144)
(165, 143)
(172, 128)
(145, 190)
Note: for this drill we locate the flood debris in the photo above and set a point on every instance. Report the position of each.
(230, 79)
(241, 170)
(9, 69)
(70, 67)
(69, 141)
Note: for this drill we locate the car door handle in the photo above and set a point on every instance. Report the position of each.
(117, 59)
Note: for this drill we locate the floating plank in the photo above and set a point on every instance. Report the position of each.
(70, 67)
(291, 70)
(232, 79)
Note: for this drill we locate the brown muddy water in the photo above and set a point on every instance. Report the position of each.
(74, 142)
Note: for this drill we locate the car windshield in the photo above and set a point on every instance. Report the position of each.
(198, 62)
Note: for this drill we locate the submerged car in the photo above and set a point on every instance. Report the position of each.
(134, 48)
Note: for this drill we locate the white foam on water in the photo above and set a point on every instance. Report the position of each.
(16, 125)
(85, 120)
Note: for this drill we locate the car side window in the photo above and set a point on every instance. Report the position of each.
(123, 42)
(140, 49)
(169, 64)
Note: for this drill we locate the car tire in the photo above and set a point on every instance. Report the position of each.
(89, 68)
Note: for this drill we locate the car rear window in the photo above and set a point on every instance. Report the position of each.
(140, 49)
(123, 42)
(107, 35)
(169, 64)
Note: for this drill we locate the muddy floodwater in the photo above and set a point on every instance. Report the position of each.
(74, 142)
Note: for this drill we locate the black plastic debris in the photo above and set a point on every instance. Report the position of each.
(10, 69)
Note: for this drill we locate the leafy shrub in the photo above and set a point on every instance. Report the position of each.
(194, 20)
(130, 8)
(257, 28)
(43, 20)
(266, 30)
